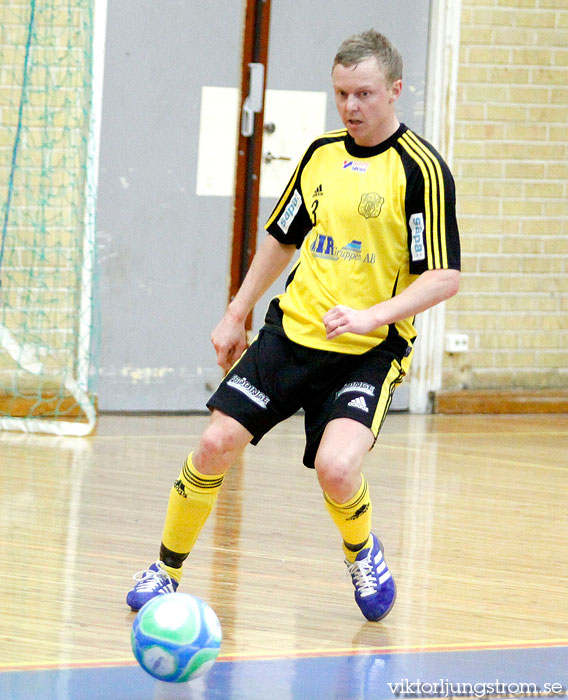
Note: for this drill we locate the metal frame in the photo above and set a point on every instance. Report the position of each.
(249, 149)
(439, 124)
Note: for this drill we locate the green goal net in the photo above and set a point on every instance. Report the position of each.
(47, 195)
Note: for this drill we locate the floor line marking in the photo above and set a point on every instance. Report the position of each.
(259, 656)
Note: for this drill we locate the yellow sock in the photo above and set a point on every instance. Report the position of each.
(192, 498)
(172, 573)
(353, 520)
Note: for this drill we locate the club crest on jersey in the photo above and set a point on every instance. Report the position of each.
(355, 165)
(370, 205)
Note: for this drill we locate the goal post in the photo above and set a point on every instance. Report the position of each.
(50, 94)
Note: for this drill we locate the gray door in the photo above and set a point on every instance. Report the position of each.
(164, 250)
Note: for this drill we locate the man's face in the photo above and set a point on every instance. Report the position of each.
(365, 101)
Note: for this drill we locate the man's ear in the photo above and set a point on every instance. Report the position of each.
(396, 89)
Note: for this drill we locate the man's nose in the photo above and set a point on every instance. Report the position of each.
(352, 105)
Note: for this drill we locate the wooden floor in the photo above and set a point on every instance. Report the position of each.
(472, 511)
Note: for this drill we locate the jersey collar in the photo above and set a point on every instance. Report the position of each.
(367, 151)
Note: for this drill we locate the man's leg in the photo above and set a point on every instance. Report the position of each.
(191, 501)
(195, 491)
(338, 462)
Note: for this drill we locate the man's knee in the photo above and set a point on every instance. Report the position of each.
(339, 458)
(220, 444)
(336, 473)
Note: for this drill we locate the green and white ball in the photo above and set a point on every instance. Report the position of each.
(176, 637)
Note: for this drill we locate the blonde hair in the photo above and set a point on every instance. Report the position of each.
(366, 45)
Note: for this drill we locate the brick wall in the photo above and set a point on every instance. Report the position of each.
(511, 168)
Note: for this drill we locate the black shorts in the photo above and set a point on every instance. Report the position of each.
(276, 377)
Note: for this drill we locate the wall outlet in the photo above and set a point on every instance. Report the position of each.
(456, 342)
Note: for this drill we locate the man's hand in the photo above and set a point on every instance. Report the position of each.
(343, 319)
(229, 339)
(427, 290)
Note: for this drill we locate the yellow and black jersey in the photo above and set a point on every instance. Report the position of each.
(368, 220)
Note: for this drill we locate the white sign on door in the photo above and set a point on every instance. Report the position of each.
(292, 118)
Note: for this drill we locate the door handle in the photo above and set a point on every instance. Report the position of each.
(269, 157)
(253, 101)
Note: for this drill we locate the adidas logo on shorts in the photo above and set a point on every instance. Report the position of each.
(359, 403)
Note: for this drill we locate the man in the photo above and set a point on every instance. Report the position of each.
(372, 207)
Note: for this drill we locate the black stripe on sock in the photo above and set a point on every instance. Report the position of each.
(355, 547)
(198, 481)
(362, 497)
(173, 559)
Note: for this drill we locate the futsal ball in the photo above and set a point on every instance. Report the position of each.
(176, 637)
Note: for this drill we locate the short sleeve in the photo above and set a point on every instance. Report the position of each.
(430, 203)
(290, 221)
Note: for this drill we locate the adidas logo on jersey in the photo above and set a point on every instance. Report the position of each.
(359, 403)
(318, 191)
